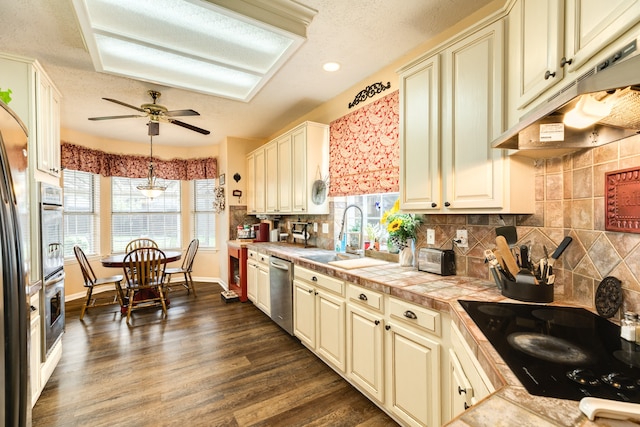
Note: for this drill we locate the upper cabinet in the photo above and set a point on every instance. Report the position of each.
(553, 38)
(283, 173)
(451, 108)
(36, 100)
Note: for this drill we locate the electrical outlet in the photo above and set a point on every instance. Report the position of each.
(431, 236)
(462, 239)
(325, 228)
(315, 227)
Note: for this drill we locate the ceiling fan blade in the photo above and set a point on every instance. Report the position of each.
(177, 113)
(130, 116)
(190, 127)
(125, 104)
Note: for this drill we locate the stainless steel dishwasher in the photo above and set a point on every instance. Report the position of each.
(281, 285)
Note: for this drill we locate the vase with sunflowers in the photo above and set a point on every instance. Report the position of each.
(402, 228)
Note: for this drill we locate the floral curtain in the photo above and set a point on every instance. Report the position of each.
(364, 151)
(84, 159)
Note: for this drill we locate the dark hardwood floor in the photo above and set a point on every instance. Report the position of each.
(209, 363)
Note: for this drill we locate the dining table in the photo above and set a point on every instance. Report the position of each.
(117, 260)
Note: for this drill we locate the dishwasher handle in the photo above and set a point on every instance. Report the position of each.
(279, 266)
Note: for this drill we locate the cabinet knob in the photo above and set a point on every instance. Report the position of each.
(466, 406)
(362, 297)
(314, 279)
(377, 322)
(387, 327)
(315, 293)
(447, 204)
(549, 74)
(462, 390)
(310, 291)
(410, 314)
(564, 61)
(434, 205)
(33, 308)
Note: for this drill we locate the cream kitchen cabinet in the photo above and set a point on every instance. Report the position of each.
(36, 100)
(365, 341)
(413, 353)
(553, 36)
(263, 285)
(319, 315)
(291, 164)
(256, 200)
(451, 110)
(252, 276)
(35, 349)
(467, 381)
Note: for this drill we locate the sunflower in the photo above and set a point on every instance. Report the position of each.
(394, 225)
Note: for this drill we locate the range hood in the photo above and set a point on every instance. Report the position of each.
(543, 128)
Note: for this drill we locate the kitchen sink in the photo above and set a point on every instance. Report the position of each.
(326, 258)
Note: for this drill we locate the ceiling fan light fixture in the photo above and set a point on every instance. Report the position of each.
(151, 189)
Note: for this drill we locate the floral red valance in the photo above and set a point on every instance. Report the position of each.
(84, 159)
(364, 151)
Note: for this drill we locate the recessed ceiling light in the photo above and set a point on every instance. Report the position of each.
(331, 66)
(218, 47)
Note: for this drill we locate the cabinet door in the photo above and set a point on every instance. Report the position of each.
(330, 320)
(252, 281)
(538, 31)
(365, 351)
(304, 313)
(420, 136)
(251, 184)
(271, 177)
(35, 349)
(472, 105)
(461, 391)
(43, 124)
(260, 186)
(264, 290)
(299, 182)
(54, 153)
(413, 377)
(594, 24)
(284, 174)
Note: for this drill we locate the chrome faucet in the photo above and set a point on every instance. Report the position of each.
(349, 249)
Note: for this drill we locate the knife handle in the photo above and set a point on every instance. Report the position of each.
(507, 256)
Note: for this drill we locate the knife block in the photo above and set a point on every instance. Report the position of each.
(527, 292)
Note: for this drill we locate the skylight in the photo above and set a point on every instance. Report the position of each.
(227, 48)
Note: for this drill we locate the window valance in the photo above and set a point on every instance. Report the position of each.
(85, 159)
(364, 151)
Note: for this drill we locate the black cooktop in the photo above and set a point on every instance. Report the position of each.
(561, 352)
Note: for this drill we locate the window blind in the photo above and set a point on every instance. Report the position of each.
(81, 212)
(203, 217)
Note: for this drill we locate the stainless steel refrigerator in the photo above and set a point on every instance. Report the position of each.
(14, 265)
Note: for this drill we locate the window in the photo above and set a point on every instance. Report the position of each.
(373, 206)
(81, 212)
(134, 215)
(203, 218)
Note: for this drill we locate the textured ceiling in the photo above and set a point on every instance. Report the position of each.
(362, 35)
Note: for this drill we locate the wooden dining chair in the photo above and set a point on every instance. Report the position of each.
(186, 268)
(91, 282)
(144, 272)
(142, 242)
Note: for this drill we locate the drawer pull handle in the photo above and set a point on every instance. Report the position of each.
(362, 297)
(33, 308)
(462, 390)
(410, 314)
(310, 291)
(314, 279)
(377, 322)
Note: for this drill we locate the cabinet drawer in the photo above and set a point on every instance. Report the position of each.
(366, 297)
(263, 258)
(252, 254)
(415, 315)
(35, 304)
(316, 279)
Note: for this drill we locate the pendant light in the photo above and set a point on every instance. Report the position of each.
(151, 190)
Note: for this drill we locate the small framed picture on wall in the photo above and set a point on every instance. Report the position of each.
(221, 180)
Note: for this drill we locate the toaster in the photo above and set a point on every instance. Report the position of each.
(438, 261)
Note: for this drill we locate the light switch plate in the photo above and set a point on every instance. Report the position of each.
(325, 228)
(431, 236)
(315, 227)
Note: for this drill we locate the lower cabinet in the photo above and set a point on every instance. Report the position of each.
(319, 315)
(258, 283)
(35, 349)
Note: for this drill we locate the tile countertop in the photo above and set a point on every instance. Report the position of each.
(510, 404)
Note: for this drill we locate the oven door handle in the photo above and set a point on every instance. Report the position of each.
(57, 279)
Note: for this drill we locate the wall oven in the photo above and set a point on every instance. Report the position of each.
(52, 253)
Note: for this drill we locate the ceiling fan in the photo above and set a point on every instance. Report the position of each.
(156, 113)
